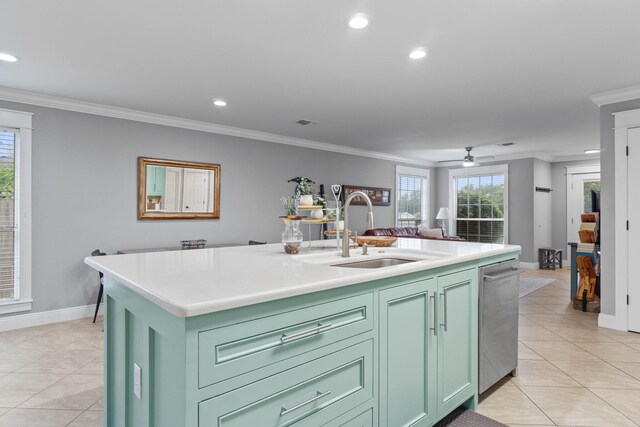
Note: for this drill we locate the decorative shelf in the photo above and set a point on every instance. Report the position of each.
(310, 208)
(317, 221)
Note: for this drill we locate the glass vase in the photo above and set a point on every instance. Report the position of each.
(291, 236)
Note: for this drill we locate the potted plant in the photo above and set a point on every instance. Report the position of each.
(318, 213)
(291, 236)
(290, 205)
(332, 216)
(305, 189)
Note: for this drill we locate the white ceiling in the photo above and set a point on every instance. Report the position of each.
(497, 70)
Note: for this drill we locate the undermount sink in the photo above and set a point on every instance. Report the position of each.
(375, 263)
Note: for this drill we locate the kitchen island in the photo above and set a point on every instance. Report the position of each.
(250, 336)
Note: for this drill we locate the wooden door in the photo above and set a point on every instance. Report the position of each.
(194, 193)
(408, 355)
(457, 339)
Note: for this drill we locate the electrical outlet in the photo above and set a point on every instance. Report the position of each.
(137, 381)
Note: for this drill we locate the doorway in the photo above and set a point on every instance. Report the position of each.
(581, 181)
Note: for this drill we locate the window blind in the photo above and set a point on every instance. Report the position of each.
(480, 208)
(410, 200)
(8, 276)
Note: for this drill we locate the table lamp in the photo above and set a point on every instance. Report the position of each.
(444, 216)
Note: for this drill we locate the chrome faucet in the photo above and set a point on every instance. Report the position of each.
(345, 231)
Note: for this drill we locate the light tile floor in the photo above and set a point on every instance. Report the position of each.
(571, 373)
(51, 376)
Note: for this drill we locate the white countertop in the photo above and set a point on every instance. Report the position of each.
(192, 282)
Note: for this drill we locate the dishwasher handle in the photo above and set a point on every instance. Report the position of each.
(514, 271)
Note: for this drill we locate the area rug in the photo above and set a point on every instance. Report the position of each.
(530, 284)
(465, 418)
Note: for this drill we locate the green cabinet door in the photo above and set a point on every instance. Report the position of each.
(407, 354)
(156, 179)
(151, 179)
(457, 339)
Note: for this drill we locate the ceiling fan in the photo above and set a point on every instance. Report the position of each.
(468, 160)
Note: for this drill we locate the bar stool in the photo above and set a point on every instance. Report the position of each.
(549, 257)
(100, 275)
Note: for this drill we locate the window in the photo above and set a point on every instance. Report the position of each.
(8, 282)
(411, 196)
(480, 204)
(15, 211)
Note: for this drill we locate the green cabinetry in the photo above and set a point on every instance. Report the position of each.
(400, 351)
(407, 355)
(457, 339)
(428, 355)
(156, 178)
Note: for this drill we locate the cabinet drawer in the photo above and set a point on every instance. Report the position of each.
(308, 395)
(243, 347)
(365, 419)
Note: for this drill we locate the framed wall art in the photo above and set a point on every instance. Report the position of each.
(379, 196)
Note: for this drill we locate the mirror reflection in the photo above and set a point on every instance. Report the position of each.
(173, 189)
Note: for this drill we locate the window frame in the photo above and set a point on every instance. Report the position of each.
(21, 122)
(425, 174)
(478, 171)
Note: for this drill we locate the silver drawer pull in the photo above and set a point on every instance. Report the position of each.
(435, 313)
(444, 294)
(502, 276)
(319, 328)
(319, 395)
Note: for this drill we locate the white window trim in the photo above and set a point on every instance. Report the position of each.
(22, 121)
(426, 175)
(476, 171)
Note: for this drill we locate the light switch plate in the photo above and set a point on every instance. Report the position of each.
(137, 381)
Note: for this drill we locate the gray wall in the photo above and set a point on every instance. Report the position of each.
(85, 192)
(542, 225)
(521, 210)
(607, 235)
(559, 238)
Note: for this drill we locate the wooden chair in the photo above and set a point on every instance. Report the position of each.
(95, 315)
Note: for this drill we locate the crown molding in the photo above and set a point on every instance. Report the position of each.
(68, 104)
(533, 155)
(576, 157)
(619, 95)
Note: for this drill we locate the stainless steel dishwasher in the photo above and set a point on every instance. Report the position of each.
(498, 322)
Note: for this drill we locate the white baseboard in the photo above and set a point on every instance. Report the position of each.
(611, 322)
(46, 317)
(529, 265)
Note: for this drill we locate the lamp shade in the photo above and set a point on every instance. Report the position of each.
(443, 213)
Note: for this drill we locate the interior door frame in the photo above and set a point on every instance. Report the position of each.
(624, 121)
(571, 171)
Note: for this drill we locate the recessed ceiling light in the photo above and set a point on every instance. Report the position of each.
(219, 102)
(418, 53)
(592, 151)
(358, 21)
(7, 57)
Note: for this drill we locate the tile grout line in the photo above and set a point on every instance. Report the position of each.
(536, 405)
(570, 376)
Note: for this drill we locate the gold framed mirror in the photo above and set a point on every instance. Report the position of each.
(173, 189)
